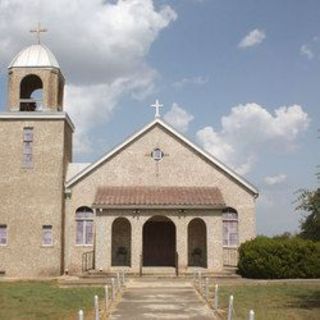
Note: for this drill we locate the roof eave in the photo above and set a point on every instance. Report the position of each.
(158, 207)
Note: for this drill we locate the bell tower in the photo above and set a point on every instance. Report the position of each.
(35, 152)
(35, 81)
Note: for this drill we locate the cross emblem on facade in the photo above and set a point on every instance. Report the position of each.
(157, 106)
(38, 31)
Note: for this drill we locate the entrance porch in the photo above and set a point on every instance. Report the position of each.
(147, 227)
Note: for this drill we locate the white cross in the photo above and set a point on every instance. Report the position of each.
(157, 106)
(38, 31)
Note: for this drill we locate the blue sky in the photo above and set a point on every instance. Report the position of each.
(240, 78)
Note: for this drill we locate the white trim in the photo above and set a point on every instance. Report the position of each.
(37, 115)
(206, 155)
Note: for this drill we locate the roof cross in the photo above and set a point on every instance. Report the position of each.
(157, 106)
(38, 31)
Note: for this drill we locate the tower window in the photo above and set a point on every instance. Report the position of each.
(3, 235)
(47, 235)
(27, 147)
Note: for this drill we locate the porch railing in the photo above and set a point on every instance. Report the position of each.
(230, 257)
(88, 262)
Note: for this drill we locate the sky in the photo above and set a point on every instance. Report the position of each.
(239, 78)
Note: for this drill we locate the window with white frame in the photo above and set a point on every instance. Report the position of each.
(84, 225)
(230, 227)
(47, 235)
(3, 235)
(27, 147)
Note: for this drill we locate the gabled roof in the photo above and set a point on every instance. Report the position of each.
(166, 126)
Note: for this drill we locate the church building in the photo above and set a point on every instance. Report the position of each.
(155, 200)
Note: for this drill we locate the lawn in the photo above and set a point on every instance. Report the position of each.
(291, 301)
(44, 300)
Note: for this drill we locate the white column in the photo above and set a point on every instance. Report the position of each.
(103, 242)
(182, 242)
(136, 242)
(214, 242)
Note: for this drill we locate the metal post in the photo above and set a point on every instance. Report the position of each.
(106, 296)
(96, 307)
(81, 315)
(113, 289)
(230, 309)
(207, 289)
(216, 297)
(200, 284)
(251, 315)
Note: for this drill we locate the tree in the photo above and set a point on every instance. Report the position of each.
(309, 202)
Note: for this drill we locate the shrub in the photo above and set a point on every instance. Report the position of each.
(279, 258)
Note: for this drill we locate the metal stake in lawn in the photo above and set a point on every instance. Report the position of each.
(106, 295)
(81, 315)
(251, 315)
(96, 307)
(216, 297)
(230, 309)
(113, 294)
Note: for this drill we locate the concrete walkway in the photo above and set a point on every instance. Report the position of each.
(160, 299)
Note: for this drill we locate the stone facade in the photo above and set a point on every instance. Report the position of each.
(133, 166)
(33, 197)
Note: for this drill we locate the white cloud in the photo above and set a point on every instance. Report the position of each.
(178, 118)
(198, 81)
(253, 38)
(101, 47)
(250, 130)
(277, 179)
(306, 51)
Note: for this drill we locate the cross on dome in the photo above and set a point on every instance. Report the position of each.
(157, 106)
(38, 31)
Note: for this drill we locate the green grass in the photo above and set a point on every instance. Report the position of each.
(44, 300)
(274, 301)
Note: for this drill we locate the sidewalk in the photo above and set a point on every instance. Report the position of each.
(161, 299)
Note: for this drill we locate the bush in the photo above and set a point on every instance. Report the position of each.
(279, 258)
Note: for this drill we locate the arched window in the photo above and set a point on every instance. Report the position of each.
(230, 227)
(31, 91)
(84, 224)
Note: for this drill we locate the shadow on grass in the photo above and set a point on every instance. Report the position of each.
(307, 300)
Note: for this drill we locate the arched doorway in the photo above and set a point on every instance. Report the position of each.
(121, 242)
(197, 243)
(159, 242)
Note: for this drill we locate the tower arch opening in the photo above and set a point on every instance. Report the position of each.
(31, 93)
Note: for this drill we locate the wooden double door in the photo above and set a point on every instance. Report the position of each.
(159, 243)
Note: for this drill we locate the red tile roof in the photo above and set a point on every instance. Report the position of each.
(159, 197)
